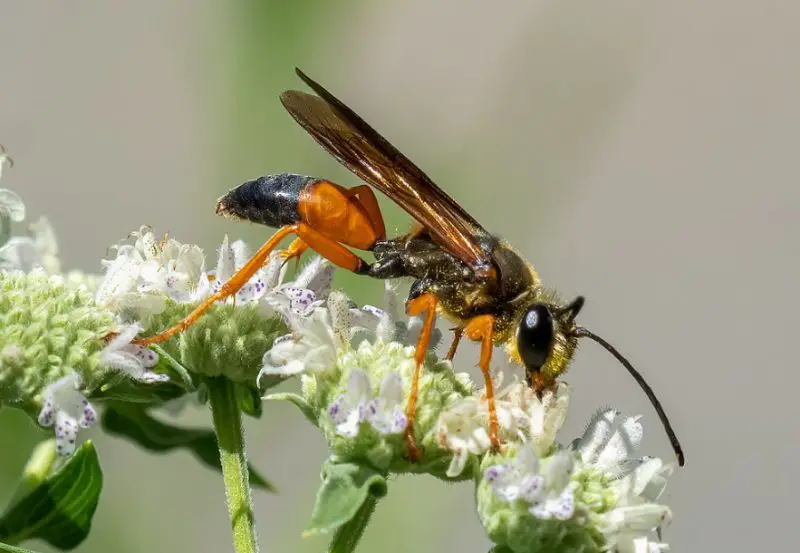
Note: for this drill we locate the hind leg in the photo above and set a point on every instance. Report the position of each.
(331, 250)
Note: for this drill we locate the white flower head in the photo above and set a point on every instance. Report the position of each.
(463, 428)
(67, 409)
(267, 287)
(383, 412)
(597, 482)
(230, 258)
(319, 331)
(135, 361)
(146, 274)
(312, 346)
(542, 485)
(390, 324)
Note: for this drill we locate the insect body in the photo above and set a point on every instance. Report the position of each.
(459, 269)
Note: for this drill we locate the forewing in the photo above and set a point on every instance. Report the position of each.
(366, 153)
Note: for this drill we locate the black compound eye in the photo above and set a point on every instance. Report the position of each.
(534, 336)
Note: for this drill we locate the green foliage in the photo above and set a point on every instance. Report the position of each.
(60, 508)
(306, 408)
(135, 424)
(249, 400)
(4, 547)
(345, 488)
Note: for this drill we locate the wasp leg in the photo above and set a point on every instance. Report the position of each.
(424, 303)
(481, 329)
(368, 201)
(457, 333)
(294, 251)
(330, 249)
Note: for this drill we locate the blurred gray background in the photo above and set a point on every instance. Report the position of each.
(643, 154)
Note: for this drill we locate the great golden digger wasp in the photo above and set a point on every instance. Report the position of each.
(462, 271)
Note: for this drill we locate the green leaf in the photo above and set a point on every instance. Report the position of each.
(5, 548)
(345, 488)
(134, 423)
(300, 402)
(60, 509)
(249, 400)
(39, 466)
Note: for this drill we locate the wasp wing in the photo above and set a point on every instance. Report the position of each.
(366, 153)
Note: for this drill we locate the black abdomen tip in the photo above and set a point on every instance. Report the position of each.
(271, 200)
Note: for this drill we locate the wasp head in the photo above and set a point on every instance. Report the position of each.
(546, 340)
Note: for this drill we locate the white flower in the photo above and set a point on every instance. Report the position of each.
(544, 486)
(390, 324)
(144, 275)
(357, 405)
(230, 258)
(621, 500)
(463, 428)
(66, 408)
(133, 360)
(610, 444)
(350, 409)
(385, 412)
(312, 346)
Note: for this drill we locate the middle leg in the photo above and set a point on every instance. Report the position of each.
(481, 329)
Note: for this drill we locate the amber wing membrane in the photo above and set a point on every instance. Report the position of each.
(366, 153)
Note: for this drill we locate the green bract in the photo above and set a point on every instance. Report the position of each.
(47, 331)
(226, 341)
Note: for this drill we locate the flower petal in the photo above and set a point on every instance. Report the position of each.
(622, 444)
(597, 434)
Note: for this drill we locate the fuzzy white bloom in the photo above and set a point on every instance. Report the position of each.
(318, 332)
(146, 274)
(610, 444)
(598, 480)
(135, 361)
(358, 404)
(521, 415)
(66, 409)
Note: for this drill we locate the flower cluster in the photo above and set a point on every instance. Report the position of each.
(57, 346)
(356, 367)
(157, 282)
(594, 495)
(53, 350)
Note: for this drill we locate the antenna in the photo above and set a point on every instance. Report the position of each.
(582, 332)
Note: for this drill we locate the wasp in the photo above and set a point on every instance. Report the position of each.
(460, 270)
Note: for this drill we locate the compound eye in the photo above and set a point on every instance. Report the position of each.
(534, 336)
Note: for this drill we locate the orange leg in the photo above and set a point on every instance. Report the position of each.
(481, 329)
(457, 332)
(366, 197)
(295, 250)
(331, 250)
(426, 303)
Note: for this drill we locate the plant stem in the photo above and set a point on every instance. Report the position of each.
(230, 438)
(347, 536)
